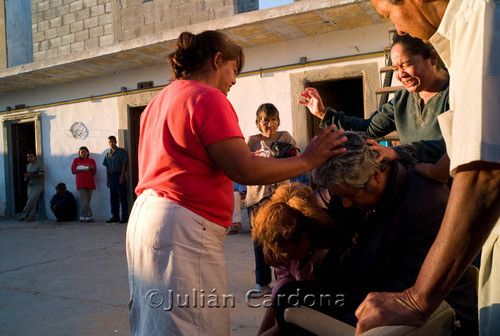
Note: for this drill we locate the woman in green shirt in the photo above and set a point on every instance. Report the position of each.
(412, 112)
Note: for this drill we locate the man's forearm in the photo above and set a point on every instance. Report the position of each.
(472, 211)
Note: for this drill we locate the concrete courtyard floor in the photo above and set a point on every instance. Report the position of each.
(71, 279)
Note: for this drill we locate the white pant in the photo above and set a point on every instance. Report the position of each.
(489, 287)
(85, 197)
(34, 193)
(177, 271)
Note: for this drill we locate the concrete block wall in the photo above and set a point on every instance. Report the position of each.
(138, 17)
(65, 27)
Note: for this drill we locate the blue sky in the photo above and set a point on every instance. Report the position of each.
(263, 4)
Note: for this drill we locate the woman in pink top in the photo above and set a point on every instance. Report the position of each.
(84, 168)
(190, 150)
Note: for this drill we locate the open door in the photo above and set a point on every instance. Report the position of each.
(342, 95)
(22, 139)
(134, 131)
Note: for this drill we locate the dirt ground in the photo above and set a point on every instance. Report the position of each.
(71, 279)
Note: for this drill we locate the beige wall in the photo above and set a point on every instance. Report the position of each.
(3, 38)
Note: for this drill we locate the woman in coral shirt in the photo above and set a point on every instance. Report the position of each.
(84, 169)
(190, 148)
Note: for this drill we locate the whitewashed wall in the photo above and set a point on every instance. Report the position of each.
(332, 45)
(60, 147)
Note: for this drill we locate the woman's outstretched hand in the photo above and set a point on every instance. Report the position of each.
(326, 144)
(313, 102)
(234, 158)
(384, 152)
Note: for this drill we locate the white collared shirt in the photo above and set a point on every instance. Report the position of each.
(468, 41)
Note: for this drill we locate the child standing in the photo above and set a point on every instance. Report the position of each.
(267, 120)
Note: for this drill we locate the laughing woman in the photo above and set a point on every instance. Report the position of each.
(412, 112)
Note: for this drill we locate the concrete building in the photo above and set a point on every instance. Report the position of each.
(73, 72)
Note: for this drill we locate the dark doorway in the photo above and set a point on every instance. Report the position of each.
(22, 140)
(134, 129)
(342, 95)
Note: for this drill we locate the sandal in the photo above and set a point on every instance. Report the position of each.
(235, 228)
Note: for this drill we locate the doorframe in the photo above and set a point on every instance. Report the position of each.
(133, 167)
(124, 104)
(7, 123)
(369, 72)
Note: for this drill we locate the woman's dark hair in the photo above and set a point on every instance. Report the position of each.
(416, 46)
(266, 109)
(84, 148)
(192, 51)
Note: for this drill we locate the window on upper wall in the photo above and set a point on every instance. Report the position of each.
(252, 5)
(263, 4)
(18, 31)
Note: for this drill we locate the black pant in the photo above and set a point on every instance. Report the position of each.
(118, 195)
(263, 275)
(65, 213)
